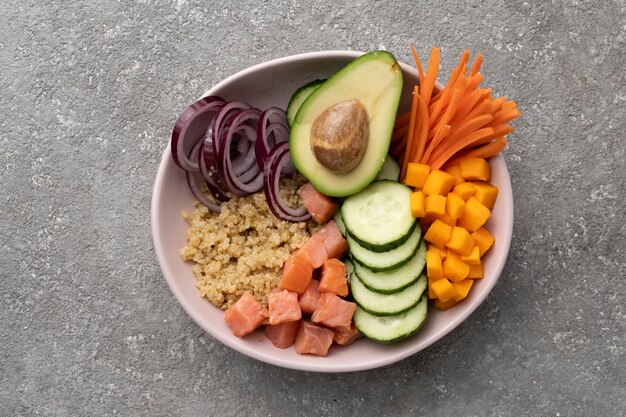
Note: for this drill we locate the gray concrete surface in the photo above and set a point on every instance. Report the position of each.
(89, 94)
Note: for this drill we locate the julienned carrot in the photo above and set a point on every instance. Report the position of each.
(497, 132)
(418, 64)
(409, 134)
(422, 115)
(466, 105)
(467, 128)
(427, 86)
(504, 116)
(485, 151)
(450, 109)
(476, 65)
(436, 108)
(441, 133)
(467, 141)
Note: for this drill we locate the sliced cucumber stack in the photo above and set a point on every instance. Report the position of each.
(379, 217)
(387, 304)
(393, 280)
(392, 328)
(300, 97)
(382, 261)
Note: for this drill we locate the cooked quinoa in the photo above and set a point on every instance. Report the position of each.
(243, 248)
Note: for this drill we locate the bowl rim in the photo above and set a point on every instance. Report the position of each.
(314, 366)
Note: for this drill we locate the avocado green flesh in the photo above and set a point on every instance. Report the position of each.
(375, 79)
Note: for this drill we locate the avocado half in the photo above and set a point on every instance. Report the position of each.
(374, 79)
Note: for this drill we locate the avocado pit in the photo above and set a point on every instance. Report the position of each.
(339, 136)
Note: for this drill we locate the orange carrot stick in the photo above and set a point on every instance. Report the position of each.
(418, 64)
(497, 132)
(466, 105)
(504, 116)
(441, 133)
(452, 106)
(426, 88)
(436, 163)
(485, 151)
(476, 65)
(467, 128)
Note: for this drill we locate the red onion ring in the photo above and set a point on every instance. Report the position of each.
(189, 127)
(271, 130)
(277, 159)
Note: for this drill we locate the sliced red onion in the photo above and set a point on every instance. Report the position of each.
(217, 192)
(277, 159)
(271, 130)
(189, 127)
(208, 168)
(192, 178)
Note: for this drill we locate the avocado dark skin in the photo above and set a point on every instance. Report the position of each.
(339, 136)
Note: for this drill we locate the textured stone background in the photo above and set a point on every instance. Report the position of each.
(89, 94)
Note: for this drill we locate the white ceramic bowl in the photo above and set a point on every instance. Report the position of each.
(271, 84)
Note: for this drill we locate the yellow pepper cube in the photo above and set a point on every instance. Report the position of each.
(486, 193)
(438, 233)
(447, 219)
(444, 290)
(483, 239)
(454, 206)
(431, 293)
(473, 258)
(460, 241)
(417, 201)
(455, 171)
(434, 268)
(454, 268)
(416, 174)
(445, 305)
(438, 182)
(476, 272)
(443, 252)
(435, 205)
(475, 214)
(463, 288)
(464, 190)
(475, 169)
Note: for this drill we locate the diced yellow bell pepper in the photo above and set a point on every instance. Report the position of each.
(486, 193)
(475, 169)
(473, 258)
(434, 268)
(438, 233)
(464, 190)
(455, 171)
(445, 305)
(475, 214)
(435, 205)
(483, 239)
(463, 288)
(444, 289)
(438, 182)
(476, 272)
(454, 268)
(454, 206)
(417, 201)
(416, 174)
(441, 251)
(447, 219)
(460, 241)
(431, 293)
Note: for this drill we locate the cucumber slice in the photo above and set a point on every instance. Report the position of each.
(339, 220)
(382, 261)
(390, 170)
(299, 97)
(393, 280)
(379, 217)
(392, 328)
(387, 304)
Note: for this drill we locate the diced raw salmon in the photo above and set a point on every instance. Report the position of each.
(334, 242)
(321, 207)
(310, 298)
(314, 250)
(283, 306)
(334, 277)
(297, 273)
(334, 312)
(313, 340)
(245, 315)
(282, 335)
(345, 337)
